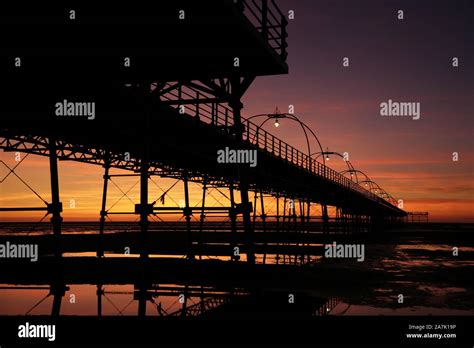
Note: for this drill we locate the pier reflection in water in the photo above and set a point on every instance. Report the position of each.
(157, 300)
(419, 265)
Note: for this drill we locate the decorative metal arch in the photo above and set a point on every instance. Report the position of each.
(372, 185)
(277, 115)
(350, 167)
(355, 172)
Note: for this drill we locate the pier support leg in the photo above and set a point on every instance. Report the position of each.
(142, 300)
(264, 224)
(283, 223)
(236, 106)
(233, 222)
(56, 206)
(184, 307)
(100, 292)
(295, 228)
(202, 217)
(246, 210)
(254, 216)
(144, 209)
(308, 229)
(324, 209)
(187, 215)
(103, 212)
(277, 258)
(302, 229)
(58, 291)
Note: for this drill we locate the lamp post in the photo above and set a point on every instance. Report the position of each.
(325, 155)
(277, 116)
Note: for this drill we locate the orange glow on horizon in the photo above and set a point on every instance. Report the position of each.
(81, 192)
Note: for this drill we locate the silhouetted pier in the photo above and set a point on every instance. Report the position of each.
(167, 86)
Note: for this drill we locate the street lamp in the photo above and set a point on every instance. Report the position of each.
(277, 115)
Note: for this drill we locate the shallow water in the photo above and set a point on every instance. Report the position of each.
(431, 279)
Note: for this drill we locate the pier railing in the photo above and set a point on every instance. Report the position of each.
(220, 115)
(267, 18)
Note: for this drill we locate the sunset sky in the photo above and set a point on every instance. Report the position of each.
(407, 60)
